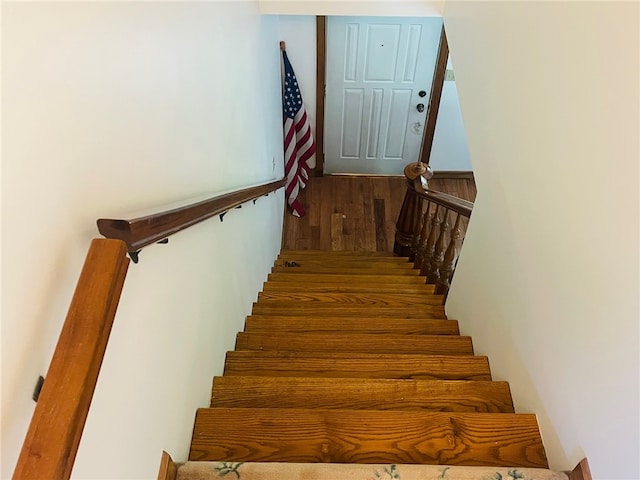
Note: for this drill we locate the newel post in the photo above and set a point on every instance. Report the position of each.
(411, 211)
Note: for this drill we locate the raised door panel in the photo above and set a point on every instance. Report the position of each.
(375, 69)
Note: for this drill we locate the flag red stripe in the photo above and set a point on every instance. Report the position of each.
(299, 146)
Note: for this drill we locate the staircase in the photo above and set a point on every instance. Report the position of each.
(348, 358)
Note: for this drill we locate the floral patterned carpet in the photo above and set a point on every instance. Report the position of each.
(335, 471)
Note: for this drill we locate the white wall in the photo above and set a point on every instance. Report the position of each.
(109, 108)
(450, 150)
(399, 8)
(547, 283)
(299, 31)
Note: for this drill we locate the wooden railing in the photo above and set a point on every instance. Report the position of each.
(430, 231)
(156, 227)
(53, 437)
(52, 440)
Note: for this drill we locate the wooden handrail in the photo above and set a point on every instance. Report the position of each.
(52, 440)
(142, 231)
(456, 204)
(410, 213)
(430, 229)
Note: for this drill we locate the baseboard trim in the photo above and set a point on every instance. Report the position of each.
(168, 469)
(453, 174)
(438, 175)
(581, 472)
(338, 174)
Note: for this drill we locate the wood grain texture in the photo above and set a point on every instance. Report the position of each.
(342, 258)
(340, 279)
(338, 240)
(361, 393)
(455, 204)
(321, 66)
(342, 261)
(52, 440)
(168, 469)
(434, 99)
(348, 270)
(318, 287)
(581, 472)
(338, 253)
(322, 310)
(367, 436)
(353, 199)
(356, 201)
(398, 326)
(142, 231)
(361, 365)
(351, 369)
(408, 218)
(371, 299)
(453, 175)
(355, 342)
(380, 221)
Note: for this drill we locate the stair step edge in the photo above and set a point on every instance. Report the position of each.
(367, 436)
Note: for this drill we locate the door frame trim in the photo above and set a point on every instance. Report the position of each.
(321, 75)
(434, 99)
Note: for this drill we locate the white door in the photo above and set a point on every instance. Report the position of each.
(377, 68)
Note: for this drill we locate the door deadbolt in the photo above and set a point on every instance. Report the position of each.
(422, 93)
(420, 107)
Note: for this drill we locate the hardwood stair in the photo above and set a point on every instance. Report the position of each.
(348, 393)
(349, 358)
(358, 365)
(355, 342)
(389, 325)
(366, 436)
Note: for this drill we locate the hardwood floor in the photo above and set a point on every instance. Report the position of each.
(356, 213)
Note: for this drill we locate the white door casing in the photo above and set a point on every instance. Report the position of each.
(376, 68)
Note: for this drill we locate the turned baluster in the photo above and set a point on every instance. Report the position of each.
(417, 174)
(422, 237)
(449, 261)
(438, 254)
(415, 243)
(411, 207)
(430, 245)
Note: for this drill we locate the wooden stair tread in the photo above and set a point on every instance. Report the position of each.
(361, 393)
(349, 357)
(357, 365)
(319, 287)
(355, 342)
(367, 436)
(344, 261)
(370, 299)
(340, 253)
(267, 323)
(328, 309)
(345, 279)
(339, 260)
(348, 270)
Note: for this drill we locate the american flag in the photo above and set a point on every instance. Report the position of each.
(299, 146)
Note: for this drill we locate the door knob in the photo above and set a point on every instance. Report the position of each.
(420, 107)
